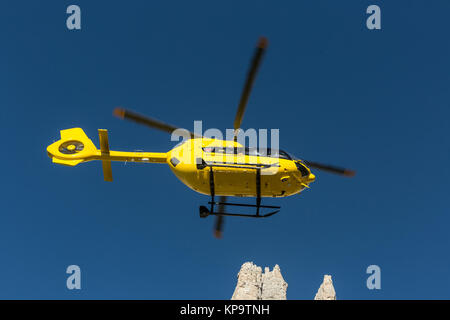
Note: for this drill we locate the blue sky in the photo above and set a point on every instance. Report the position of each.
(376, 101)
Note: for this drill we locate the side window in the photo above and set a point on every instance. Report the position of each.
(208, 149)
(229, 150)
(217, 150)
(251, 151)
(274, 154)
(232, 150)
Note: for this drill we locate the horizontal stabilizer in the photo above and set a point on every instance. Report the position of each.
(70, 163)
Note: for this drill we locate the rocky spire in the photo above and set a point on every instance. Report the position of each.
(273, 285)
(253, 284)
(326, 290)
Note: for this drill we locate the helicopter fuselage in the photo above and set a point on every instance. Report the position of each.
(231, 170)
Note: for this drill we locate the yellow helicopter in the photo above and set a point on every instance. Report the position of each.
(214, 167)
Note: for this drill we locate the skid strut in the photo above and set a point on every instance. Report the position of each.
(204, 211)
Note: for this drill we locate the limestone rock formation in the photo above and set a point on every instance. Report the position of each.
(326, 290)
(253, 284)
(273, 285)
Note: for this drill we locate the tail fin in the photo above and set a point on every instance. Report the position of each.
(73, 148)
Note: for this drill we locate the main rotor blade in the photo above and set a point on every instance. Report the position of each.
(218, 225)
(256, 61)
(329, 168)
(152, 123)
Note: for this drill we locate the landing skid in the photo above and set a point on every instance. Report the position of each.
(204, 211)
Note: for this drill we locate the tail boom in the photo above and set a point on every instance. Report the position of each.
(75, 147)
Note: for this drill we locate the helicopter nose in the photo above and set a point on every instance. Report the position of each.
(311, 177)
